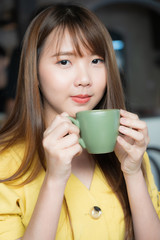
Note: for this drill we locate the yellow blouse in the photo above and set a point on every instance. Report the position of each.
(17, 204)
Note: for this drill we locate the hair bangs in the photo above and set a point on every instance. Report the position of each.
(82, 39)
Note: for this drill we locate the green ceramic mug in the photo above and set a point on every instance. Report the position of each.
(98, 129)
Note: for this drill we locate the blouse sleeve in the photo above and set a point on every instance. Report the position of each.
(11, 213)
(152, 188)
(11, 201)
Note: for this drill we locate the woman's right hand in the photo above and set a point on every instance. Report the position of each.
(61, 144)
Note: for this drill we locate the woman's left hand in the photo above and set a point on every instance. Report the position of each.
(131, 142)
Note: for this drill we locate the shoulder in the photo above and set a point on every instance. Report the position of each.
(146, 160)
(152, 188)
(11, 159)
(147, 167)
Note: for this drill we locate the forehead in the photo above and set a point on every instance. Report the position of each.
(62, 40)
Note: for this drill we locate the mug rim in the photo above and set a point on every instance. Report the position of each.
(98, 110)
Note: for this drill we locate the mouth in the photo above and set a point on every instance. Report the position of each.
(81, 98)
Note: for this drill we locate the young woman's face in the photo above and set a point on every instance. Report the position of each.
(70, 83)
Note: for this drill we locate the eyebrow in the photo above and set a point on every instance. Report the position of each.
(68, 53)
(63, 54)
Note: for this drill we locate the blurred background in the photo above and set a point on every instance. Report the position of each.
(134, 26)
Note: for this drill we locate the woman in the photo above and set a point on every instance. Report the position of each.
(53, 189)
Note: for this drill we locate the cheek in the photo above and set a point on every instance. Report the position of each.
(101, 90)
(47, 78)
(102, 83)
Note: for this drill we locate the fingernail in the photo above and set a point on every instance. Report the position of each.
(122, 110)
(64, 114)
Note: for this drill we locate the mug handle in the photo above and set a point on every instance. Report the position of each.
(76, 122)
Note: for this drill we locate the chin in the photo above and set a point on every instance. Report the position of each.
(73, 114)
(80, 109)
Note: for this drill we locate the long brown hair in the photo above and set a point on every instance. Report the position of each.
(26, 122)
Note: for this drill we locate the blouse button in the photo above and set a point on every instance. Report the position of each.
(95, 212)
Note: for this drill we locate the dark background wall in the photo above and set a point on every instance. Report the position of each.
(136, 24)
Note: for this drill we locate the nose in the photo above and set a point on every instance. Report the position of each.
(83, 76)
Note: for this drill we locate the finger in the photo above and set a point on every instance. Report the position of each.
(73, 151)
(135, 135)
(65, 128)
(59, 119)
(59, 132)
(138, 125)
(127, 114)
(133, 151)
(124, 144)
(132, 120)
(127, 138)
(68, 141)
(134, 123)
(64, 114)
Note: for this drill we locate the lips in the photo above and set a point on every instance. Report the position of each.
(81, 98)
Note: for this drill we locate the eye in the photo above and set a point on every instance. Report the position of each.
(64, 62)
(97, 61)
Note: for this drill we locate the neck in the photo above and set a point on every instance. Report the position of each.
(83, 168)
(83, 160)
